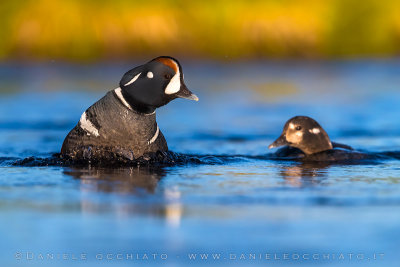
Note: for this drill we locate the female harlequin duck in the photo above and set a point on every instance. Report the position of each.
(122, 124)
(307, 140)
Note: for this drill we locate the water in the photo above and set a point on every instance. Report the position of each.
(232, 206)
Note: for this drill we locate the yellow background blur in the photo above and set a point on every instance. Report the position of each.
(83, 30)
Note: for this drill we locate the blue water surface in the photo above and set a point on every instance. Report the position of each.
(248, 210)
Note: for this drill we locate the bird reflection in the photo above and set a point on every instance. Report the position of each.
(304, 174)
(140, 182)
(121, 180)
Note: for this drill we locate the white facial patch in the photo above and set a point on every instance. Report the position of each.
(174, 84)
(150, 75)
(154, 138)
(299, 134)
(88, 126)
(133, 80)
(118, 92)
(315, 131)
(291, 126)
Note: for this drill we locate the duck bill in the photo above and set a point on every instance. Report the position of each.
(281, 141)
(184, 92)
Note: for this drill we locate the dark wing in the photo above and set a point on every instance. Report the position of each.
(338, 145)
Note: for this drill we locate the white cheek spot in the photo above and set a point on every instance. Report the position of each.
(133, 80)
(88, 126)
(315, 131)
(291, 125)
(299, 134)
(118, 92)
(174, 84)
(150, 75)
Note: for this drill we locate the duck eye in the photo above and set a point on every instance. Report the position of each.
(167, 76)
(298, 128)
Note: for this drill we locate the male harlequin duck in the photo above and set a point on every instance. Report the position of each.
(307, 140)
(122, 124)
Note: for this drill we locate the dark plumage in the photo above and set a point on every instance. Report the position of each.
(122, 124)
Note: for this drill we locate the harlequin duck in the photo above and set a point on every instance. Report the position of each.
(305, 139)
(122, 124)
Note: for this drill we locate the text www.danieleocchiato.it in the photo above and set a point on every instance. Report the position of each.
(48, 256)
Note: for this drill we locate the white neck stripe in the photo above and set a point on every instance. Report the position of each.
(133, 80)
(154, 137)
(118, 92)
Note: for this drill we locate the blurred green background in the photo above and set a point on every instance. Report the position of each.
(88, 30)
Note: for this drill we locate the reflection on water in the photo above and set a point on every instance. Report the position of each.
(132, 181)
(120, 180)
(304, 174)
